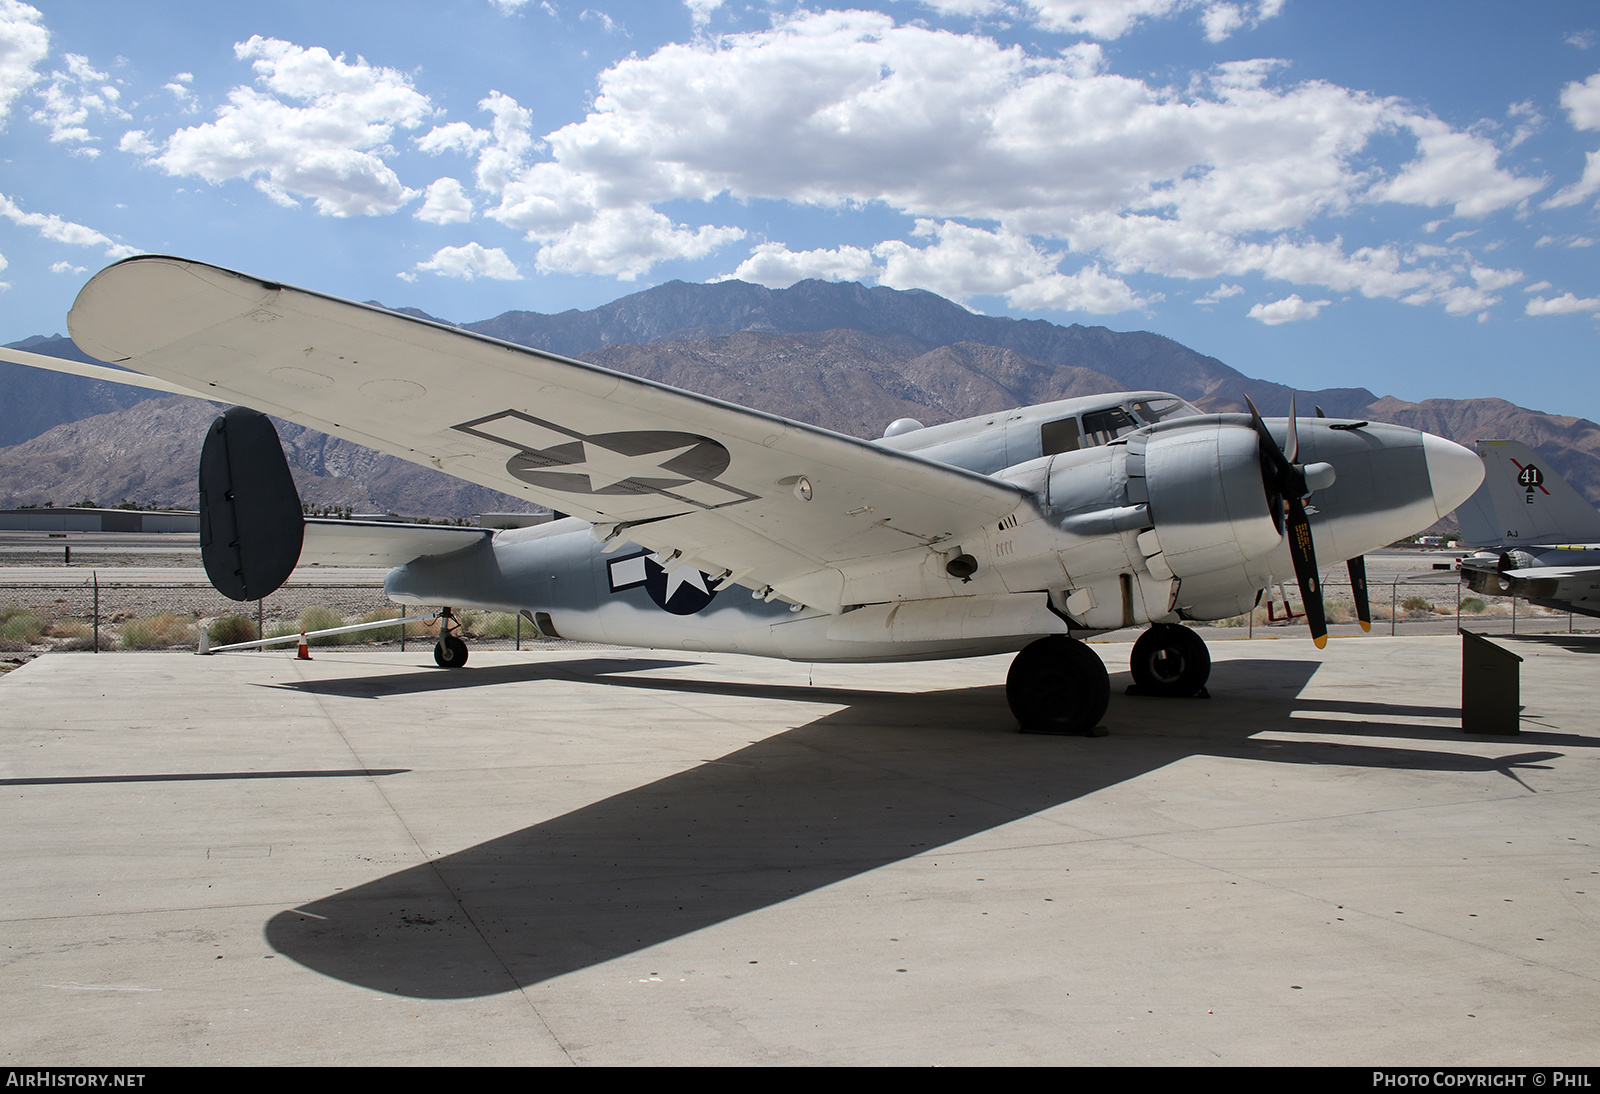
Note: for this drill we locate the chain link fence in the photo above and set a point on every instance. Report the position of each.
(96, 615)
(1412, 607)
(104, 616)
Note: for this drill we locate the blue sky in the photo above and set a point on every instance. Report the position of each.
(1396, 196)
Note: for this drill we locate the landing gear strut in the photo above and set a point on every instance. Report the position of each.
(450, 652)
(1058, 685)
(1170, 661)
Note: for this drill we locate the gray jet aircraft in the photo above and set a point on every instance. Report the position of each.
(696, 524)
(1545, 537)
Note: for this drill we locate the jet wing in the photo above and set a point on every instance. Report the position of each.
(1559, 573)
(774, 502)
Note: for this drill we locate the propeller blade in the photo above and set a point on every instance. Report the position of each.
(1358, 587)
(1304, 554)
(1292, 454)
(1320, 414)
(1286, 478)
(1287, 485)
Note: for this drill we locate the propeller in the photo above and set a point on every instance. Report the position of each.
(1288, 483)
(1358, 588)
(1358, 576)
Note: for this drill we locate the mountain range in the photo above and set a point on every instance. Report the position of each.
(837, 354)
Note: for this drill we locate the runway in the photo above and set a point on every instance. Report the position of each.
(602, 857)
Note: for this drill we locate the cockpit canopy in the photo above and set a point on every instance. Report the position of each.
(1105, 424)
(992, 442)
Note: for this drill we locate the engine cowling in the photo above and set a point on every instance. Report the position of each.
(1208, 504)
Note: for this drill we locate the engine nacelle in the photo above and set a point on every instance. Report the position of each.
(1208, 504)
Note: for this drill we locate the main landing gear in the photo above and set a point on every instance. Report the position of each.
(450, 652)
(1060, 685)
(1171, 662)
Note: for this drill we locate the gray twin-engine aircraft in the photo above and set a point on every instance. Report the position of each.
(1544, 538)
(699, 525)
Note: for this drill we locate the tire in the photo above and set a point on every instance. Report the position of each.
(1170, 661)
(1058, 685)
(450, 653)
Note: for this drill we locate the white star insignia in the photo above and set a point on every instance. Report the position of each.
(606, 468)
(683, 575)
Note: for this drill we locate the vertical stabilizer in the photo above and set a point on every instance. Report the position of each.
(1523, 502)
(251, 527)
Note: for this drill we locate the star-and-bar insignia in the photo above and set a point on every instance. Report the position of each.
(681, 466)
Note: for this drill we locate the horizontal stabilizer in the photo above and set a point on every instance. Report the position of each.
(95, 372)
(376, 543)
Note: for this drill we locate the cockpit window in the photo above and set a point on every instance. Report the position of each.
(1062, 436)
(1105, 426)
(1151, 411)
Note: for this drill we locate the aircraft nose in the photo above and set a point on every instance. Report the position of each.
(1453, 471)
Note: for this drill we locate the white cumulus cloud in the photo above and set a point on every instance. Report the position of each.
(471, 261)
(1107, 19)
(55, 228)
(1565, 304)
(965, 262)
(777, 267)
(24, 43)
(318, 127)
(1291, 309)
(1052, 156)
(72, 97)
(445, 203)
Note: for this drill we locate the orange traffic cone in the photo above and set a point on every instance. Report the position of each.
(304, 653)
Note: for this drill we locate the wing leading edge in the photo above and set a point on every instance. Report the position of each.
(774, 503)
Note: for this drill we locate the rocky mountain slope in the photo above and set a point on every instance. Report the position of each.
(840, 355)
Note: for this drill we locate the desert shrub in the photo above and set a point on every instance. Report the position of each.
(496, 625)
(321, 618)
(1417, 604)
(379, 634)
(1473, 605)
(156, 632)
(233, 628)
(20, 625)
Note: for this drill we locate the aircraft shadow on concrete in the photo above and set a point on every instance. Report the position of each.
(885, 778)
(205, 776)
(431, 679)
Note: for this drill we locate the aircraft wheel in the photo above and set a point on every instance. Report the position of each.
(450, 652)
(1058, 685)
(1170, 661)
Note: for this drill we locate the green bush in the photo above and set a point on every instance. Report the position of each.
(1473, 606)
(20, 625)
(233, 628)
(1417, 604)
(496, 625)
(320, 618)
(379, 634)
(157, 632)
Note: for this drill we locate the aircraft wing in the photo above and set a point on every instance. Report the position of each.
(775, 502)
(1560, 573)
